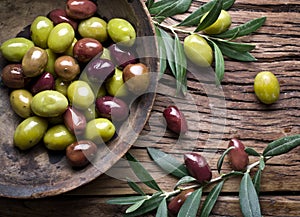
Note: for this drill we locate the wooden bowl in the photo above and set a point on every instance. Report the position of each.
(38, 173)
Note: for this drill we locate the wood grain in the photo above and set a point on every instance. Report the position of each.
(236, 113)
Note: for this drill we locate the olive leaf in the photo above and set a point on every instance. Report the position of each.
(162, 210)
(282, 145)
(221, 158)
(135, 206)
(135, 187)
(177, 7)
(249, 202)
(194, 18)
(243, 29)
(211, 199)
(168, 163)
(180, 65)
(251, 152)
(242, 47)
(147, 206)
(149, 3)
(191, 204)
(141, 172)
(262, 163)
(212, 15)
(161, 52)
(127, 200)
(232, 173)
(256, 180)
(185, 180)
(219, 63)
(158, 6)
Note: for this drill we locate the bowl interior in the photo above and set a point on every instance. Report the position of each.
(38, 172)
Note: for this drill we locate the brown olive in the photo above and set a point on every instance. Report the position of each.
(13, 77)
(122, 57)
(80, 9)
(198, 167)
(66, 67)
(44, 82)
(60, 16)
(86, 49)
(136, 77)
(238, 158)
(112, 108)
(175, 119)
(176, 202)
(74, 120)
(34, 62)
(80, 153)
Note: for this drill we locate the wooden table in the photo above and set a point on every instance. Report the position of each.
(243, 116)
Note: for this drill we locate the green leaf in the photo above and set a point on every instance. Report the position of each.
(162, 210)
(244, 29)
(221, 159)
(180, 65)
(147, 206)
(232, 173)
(256, 181)
(219, 63)
(177, 7)
(243, 47)
(135, 206)
(149, 3)
(158, 6)
(262, 163)
(191, 204)
(161, 52)
(184, 180)
(142, 173)
(251, 152)
(135, 187)
(211, 199)
(212, 16)
(194, 18)
(249, 202)
(168, 163)
(127, 200)
(235, 54)
(282, 145)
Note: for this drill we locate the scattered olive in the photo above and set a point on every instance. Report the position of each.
(13, 77)
(198, 50)
(20, 101)
(80, 153)
(238, 158)
(30, 132)
(176, 203)
(220, 25)
(136, 77)
(175, 119)
(66, 67)
(198, 167)
(266, 87)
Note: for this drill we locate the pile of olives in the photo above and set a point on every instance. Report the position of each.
(67, 84)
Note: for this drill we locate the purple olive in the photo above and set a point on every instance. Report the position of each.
(238, 158)
(112, 108)
(60, 16)
(121, 57)
(198, 167)
(86, 49)
(80, 153)
(45, 82)
(13, 77)
(75, 121)
(176, 202)
(80, 9)
(98, 70)
(175, 119)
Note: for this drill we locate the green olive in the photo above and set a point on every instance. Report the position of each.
(266, 87)
(51, 62)
(34, 62)
(30, 132)
(198, 50)
(14, 49)
(61, 37)
(105, 54)
(93, 27)
(58, 138)
(121, 31)
(40, 30)
(80, 94)
(99, 130)
(70, 49)
(115, 85)
(220, 25)
(62, 86)
(90, 113)
(20, 101)
(49, 103)
(101, 92)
